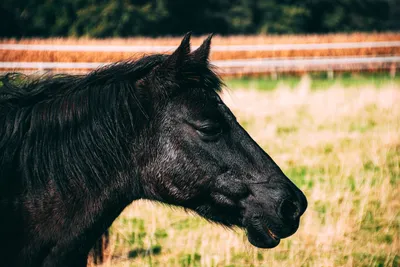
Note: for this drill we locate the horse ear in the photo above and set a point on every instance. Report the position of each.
(177, 58)
(202, 53)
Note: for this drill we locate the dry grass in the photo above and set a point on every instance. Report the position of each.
(60, 56)
(218, 40)
(341, 146)
(63, 56)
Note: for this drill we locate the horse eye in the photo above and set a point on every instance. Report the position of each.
(209, 132)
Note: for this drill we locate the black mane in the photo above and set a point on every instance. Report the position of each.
(80, 126)
(23, 90)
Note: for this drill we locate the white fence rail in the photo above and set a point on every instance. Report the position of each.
(239, 66)
(158, 49)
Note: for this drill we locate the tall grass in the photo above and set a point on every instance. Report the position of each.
(340, 145)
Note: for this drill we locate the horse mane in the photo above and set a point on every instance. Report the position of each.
(24, 90)
(76, 131)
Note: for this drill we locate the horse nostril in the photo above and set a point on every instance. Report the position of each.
(289, 210)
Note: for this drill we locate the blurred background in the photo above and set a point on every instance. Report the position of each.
(315, 83)
(125, 18)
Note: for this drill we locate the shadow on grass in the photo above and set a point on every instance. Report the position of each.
(140, 252)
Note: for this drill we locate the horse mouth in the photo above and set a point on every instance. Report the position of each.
(261, 236)
(271, 234)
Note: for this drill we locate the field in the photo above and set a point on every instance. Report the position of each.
(65, 56)
(338, 140)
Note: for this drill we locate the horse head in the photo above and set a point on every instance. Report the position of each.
(203, 160)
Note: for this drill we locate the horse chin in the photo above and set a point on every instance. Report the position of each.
(259, 235)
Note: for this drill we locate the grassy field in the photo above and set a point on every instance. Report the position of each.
(338, 140)
(318, 81)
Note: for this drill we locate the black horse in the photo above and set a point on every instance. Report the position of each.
(76, 150)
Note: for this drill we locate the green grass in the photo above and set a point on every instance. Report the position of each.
(319, 81)
(261, 83)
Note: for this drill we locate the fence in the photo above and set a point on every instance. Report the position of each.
(260, 65)
(159, 49)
